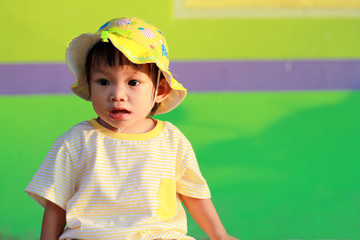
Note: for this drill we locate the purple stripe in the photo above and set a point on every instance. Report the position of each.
(35, 78)
(202, 76)
(269, 75)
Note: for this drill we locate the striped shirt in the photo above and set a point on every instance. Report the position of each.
(120, 186)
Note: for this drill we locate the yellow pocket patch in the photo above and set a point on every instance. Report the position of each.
(167, 199)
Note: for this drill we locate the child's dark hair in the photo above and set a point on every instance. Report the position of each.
(106, 53)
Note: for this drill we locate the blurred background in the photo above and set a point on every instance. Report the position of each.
(273, 109)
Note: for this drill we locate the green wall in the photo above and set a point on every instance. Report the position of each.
(38, 31)
(280, 165)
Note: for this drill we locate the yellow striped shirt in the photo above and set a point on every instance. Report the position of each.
(120, 186)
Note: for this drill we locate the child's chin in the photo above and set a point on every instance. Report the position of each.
(110, 125)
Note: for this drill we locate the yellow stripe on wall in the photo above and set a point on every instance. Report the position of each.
(270, 3)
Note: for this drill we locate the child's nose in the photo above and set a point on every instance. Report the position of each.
(118, 94)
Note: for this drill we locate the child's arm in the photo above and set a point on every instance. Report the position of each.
(205, 215)
(54, 222)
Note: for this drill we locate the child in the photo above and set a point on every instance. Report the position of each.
(123, 175)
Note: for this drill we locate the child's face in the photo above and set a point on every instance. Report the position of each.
(122, 96)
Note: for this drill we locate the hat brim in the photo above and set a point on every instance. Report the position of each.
(79, 47)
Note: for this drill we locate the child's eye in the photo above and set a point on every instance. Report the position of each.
(104, 82)
(133, 83)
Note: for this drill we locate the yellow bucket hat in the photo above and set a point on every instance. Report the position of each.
(139, 41)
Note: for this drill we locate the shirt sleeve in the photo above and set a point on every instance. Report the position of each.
(54, 180)
(191, 183)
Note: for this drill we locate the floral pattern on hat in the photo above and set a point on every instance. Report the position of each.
(104, 26)
(124, 22)
(144, 34)
(164, 50)
(147, 32)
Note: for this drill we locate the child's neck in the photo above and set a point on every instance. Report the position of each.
(151, 123)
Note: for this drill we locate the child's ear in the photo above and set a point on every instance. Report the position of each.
(163, 90)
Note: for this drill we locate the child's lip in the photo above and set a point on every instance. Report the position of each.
(119, 113)
(119, 109)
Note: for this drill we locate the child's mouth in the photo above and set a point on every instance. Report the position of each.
(119, 114)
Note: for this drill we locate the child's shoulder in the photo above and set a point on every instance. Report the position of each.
(81, 126)
(77, 130)
(171, 129)
(168, 126)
